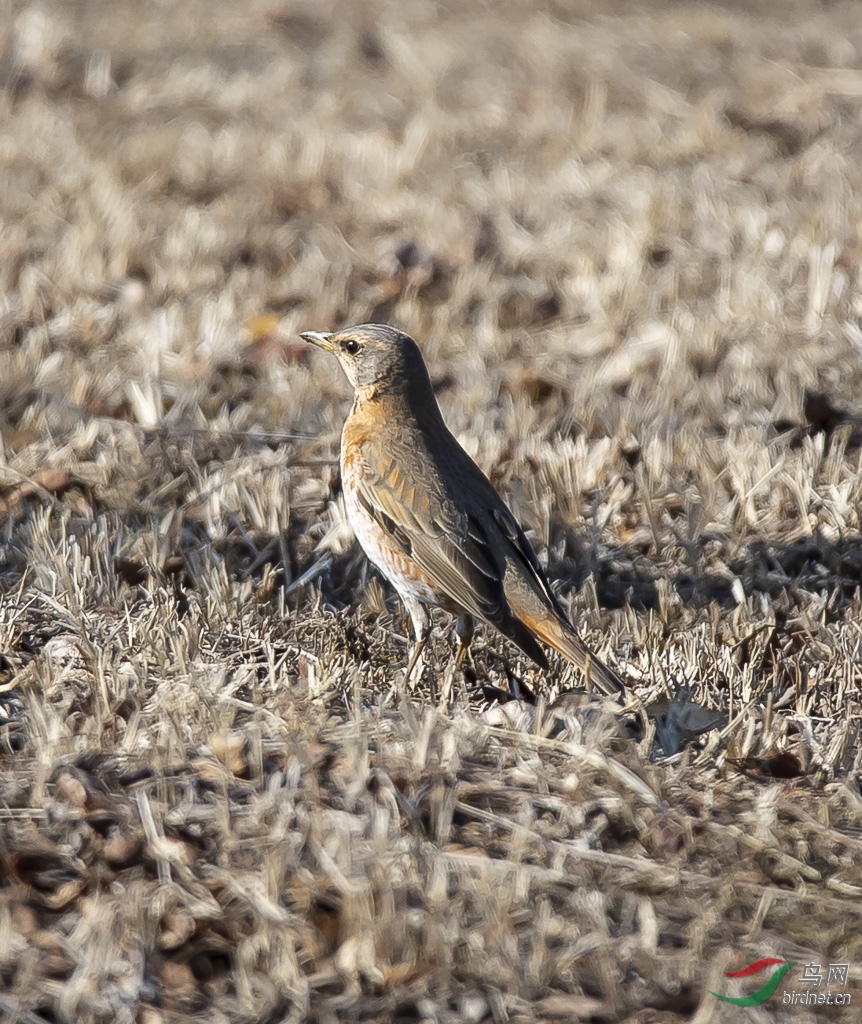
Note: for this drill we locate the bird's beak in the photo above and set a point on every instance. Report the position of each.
(319, 338)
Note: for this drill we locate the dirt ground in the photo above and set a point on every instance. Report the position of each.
(627, 237)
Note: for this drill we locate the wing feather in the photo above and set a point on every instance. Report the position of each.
(466, 554)
(527, 556)
(450, 547)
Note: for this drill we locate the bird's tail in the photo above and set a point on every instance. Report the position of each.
(557, 633)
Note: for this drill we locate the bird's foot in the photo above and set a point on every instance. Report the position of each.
(416, 664)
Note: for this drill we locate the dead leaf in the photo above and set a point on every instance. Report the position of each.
(230, 749)
(268, 345)
(47, 484)
(122, 849)
(175, 928)
(680, 720)
(778, 764)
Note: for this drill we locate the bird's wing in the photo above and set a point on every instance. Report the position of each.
(457, 530)
(520, 552)
(420, 517)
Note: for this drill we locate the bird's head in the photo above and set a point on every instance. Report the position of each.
(375, 357)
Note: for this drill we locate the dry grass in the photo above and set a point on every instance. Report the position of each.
(627, 239)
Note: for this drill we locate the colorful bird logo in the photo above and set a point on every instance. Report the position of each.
(762, 994)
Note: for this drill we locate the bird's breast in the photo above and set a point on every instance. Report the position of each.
(361, 445)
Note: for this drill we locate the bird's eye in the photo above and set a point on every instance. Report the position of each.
(351, 347)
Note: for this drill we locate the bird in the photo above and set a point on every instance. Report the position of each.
(427, 516)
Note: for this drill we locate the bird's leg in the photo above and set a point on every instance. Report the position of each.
(422, 631)
(464, 628)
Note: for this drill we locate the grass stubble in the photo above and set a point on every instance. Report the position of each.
(627, 239)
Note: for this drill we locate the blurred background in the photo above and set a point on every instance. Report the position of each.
(565, 202)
